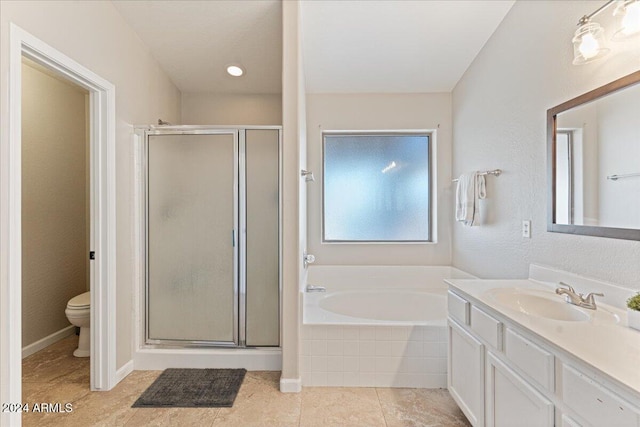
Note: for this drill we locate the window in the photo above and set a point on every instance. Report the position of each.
(570, 181)
(563, 178)
(376, 187)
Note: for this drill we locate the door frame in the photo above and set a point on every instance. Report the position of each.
(145, 351)
(144, 133)
(102, 119)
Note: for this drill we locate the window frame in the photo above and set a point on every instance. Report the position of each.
(431, 211)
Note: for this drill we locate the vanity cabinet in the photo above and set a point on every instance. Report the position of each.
(466, 373)
(502, 375)
(511, 401)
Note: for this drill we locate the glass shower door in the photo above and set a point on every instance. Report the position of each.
(191, 243)
(262, 245)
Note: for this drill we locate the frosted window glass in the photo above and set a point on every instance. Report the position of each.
(376, 188)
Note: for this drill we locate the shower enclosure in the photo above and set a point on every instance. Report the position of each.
(212, 236)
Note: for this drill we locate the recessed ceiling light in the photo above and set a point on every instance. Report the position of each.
(235, 70)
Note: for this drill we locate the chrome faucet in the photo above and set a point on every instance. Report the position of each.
(575, 298)
(312, 288)
(570, 295)
(588, 301)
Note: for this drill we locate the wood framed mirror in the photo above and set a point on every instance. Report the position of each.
(593, 157)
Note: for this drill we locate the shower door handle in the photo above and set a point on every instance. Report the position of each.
(233, 238)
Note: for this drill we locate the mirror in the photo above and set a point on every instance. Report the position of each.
(593, 152)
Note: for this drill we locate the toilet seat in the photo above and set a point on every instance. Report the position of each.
(80, 302)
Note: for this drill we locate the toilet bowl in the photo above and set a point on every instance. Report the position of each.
(79, 313)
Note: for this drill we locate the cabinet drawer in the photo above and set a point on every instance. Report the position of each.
(530, 358)
(458, 308)
(487, 328)
(594, 403)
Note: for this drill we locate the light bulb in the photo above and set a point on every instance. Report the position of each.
(235, 70)
(589, 46)
(631, 19)
(588, 43)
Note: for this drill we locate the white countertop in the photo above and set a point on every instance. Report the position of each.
(611, 348)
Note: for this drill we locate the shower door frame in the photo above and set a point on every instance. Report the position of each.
(239, 232)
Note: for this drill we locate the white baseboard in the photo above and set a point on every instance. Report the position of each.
(125, 370)
(48, 340)
(290, 385)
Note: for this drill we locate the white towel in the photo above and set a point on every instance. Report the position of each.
(471, 187)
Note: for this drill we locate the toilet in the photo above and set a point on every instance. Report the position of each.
(79, 313)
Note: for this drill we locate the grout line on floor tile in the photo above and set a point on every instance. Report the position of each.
(384, 417)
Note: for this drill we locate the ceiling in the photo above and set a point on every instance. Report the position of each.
(394, 46)
(194, 41)
(371, 46)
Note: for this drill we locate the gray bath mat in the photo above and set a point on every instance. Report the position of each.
(193, 388)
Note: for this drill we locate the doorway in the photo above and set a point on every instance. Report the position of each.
(55, 226)
(102, 211)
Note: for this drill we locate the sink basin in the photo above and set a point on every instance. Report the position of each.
(545, 304)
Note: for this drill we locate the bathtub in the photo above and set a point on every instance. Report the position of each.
(376, 326)
(377, 307)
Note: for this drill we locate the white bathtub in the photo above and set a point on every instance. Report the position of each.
(376, 326)
(376, 307)
(388, 305)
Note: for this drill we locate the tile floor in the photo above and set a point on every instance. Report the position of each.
(53, 375)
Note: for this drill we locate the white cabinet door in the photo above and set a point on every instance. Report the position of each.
(466, 373)
(595, 403)
(513, 402)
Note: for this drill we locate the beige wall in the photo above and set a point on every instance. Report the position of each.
(94, 34)
(499, 110)
(231, 109)
(380, 112)
(54, 201)
(292, 125)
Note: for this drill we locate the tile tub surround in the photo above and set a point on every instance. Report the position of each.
(374, 356)
(340, 350)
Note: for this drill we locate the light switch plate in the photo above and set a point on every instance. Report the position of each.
(526, 228)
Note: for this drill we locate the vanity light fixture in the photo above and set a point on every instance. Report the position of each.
(628, 13)
(235, 70)
(589, 42)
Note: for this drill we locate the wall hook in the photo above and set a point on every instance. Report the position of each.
(308, 175)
